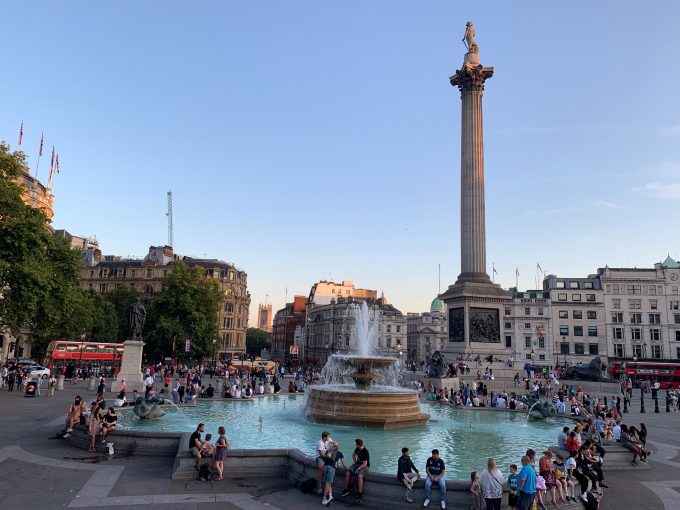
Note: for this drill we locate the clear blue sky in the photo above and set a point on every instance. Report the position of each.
(308, 140)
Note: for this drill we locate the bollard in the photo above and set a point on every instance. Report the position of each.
(219, 388)
(91, 384)
(60, 382)
(625, 404)
(668, 401)
(642, 401)
(656, 405)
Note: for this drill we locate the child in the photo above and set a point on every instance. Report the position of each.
(207, 450)
(478, 502)
(330, 461)
(540, 492)
(513, 484)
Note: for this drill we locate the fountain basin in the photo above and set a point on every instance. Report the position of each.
(381, 407)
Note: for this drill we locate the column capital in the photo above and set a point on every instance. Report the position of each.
(471, 77)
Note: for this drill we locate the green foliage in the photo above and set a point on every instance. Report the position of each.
(186, 308)
(121, 299)
(105, 319)
(256, 340)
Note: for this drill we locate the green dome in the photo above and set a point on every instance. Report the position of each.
(437, 305)
(670, 263)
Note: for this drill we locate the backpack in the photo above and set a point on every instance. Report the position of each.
(204, 473)
(593, 502)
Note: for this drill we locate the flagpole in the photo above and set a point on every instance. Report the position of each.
(517, 279)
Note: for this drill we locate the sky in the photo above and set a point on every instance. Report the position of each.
(307, 140)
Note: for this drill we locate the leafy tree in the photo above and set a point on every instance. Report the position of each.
(121, 298)
(105, 319)
(186, 308)
(256, 340)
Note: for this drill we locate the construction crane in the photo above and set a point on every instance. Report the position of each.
(169, 215)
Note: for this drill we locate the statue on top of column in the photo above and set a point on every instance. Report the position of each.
(469, 38)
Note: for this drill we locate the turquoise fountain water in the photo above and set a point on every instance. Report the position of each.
(465, 438)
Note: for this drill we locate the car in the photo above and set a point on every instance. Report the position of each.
(38, 371)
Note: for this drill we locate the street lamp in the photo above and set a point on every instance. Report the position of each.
(214, 363)
(635, 368)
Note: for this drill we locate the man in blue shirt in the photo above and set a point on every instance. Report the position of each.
(527, 485)
(435, 469)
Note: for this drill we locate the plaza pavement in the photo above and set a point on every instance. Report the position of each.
(37, 472)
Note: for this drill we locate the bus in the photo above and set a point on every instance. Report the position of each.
(246, 365)
(667, 372)
(97, 358)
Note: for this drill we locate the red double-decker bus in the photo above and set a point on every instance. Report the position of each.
(667, 372)
(64, 357)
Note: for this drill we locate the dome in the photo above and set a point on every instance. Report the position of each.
(438, 305)
(668, 263)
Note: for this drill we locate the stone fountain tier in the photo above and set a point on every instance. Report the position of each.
(382, 407)
(363, 365)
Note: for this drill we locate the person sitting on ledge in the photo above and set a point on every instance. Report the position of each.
(210, 391)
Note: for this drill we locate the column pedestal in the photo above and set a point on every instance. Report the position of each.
(131, 367)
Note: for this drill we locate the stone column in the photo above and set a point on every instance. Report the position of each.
(470, 80)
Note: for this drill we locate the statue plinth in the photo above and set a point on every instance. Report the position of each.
(131, 366)
(471, 58)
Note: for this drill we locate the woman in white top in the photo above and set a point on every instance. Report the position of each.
(491, 481)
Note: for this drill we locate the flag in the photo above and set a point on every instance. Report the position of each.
(21, 132)
(57, 163)
(41, 145)
(52, 162)
(517, 272)
(539, 267)
(494, 270)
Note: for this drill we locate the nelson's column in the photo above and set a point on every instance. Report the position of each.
(475, 304)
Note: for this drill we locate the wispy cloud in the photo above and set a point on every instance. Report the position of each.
(610, 205)
(664, 190)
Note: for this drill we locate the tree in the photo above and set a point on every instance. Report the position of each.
(105, 319)
(121, 299)
(186, 309)
(256, 340)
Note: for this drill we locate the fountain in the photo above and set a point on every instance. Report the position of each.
(364, 403)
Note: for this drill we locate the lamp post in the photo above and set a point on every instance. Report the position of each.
(214, 363)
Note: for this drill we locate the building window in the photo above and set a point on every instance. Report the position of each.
(576, 297)
(579, 348)
(389, 328)
(636, 333)
(91, 274)
(590, 297)
(674, 290)
(527, 341)
(593, 349)
(615, 288)
(559, 284)
(578, 330)
(677, 336)
(578, 314)
(657, 351)
(652, 289)
(102, 287)
(592, 330)
(635, 304)
(634, 289)
(398, 329)
(655, 318)
(508, 341)
(540, 311)
(653, 304)
(148, 289)
(564, 314)
(228, 322)
(591, 314)
(149, 272)
(655, 334)
(527, 325)
(636, 318)
(616, 303)
(587, 285)
(508, 325)
(617, 317)
(561, 297)
(564, 330)
(507, 312)
(527, 311)
(617, 333)
(637, 350)
(229, 307)
(573, 285)
(564, 348)
(619, 351)
(541, 342)
(675, 305)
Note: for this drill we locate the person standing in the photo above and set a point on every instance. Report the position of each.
(322, 447)
(221, 447)
(94, 425)
(331, 461)
(527, 485)
(405, 473)
(491, 481)
(436, 471)
(102, 385)
(51, 385)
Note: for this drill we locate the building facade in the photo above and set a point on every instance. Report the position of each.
(527, 328)
(264, 317)
(577, 318)
(642, 311)
(426, 333)
(147, 277)
(330, 329)
(324, 291)
(288, 321)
